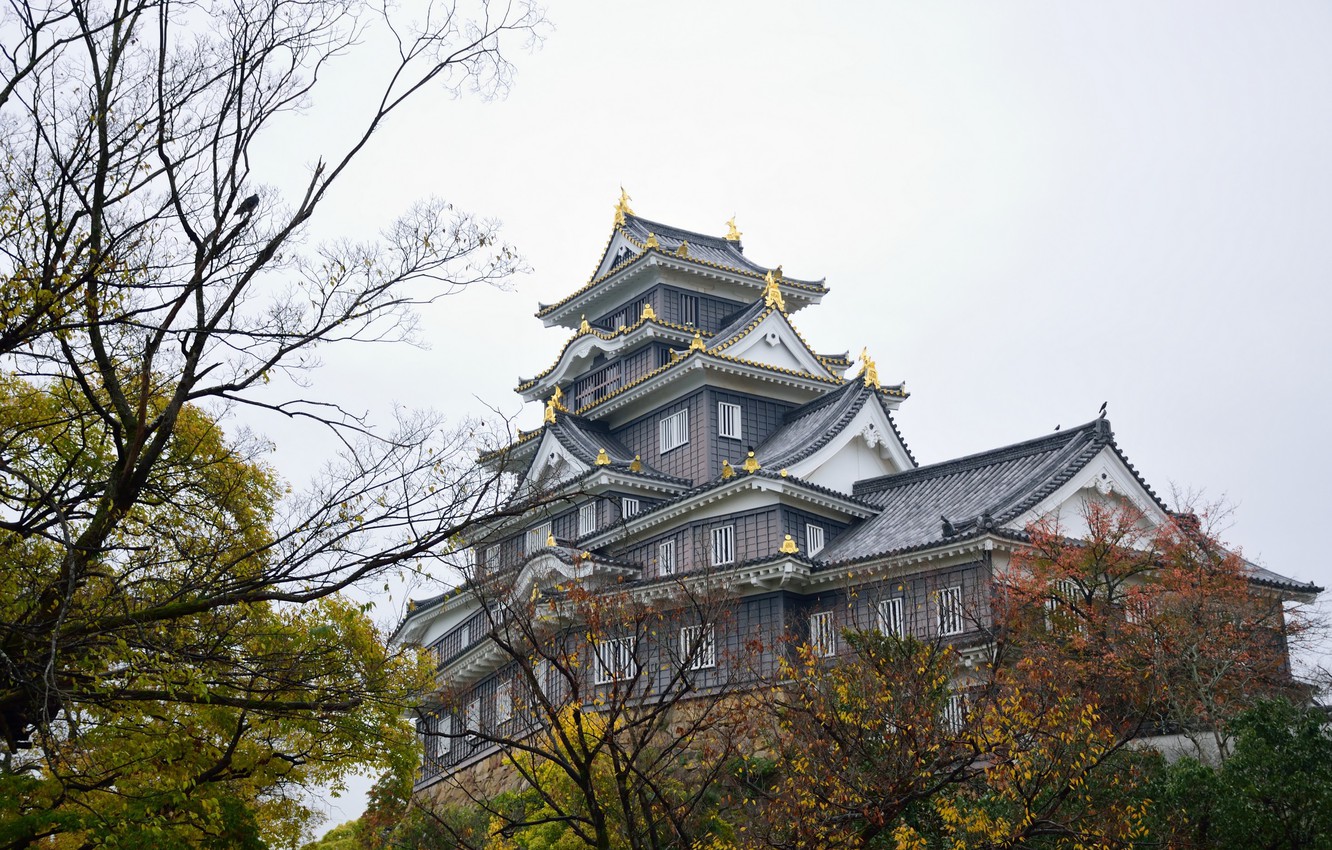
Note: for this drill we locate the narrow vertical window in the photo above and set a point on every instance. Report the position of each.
(813, 539)
(615, 660)
(698, 647)
(890, 617)
(628, 506)
(587, 518)
(822, 635)
(954, 713)
(503, 701)
(728, 420)
(536, 538)
(948, 607)
(666, 557)
(473, 718)
(673, 431)
(492, 557)
(689, 309)
(723, 545)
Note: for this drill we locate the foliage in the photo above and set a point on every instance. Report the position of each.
(1274, 791)
(173, 654)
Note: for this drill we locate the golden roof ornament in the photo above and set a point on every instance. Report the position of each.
(648, 312)
(728, 471)
(751, 464)
(555, 405)
(869, 374)
(651, 242)
(772, 293)
(697, 343)
(583, 326)
(789, 546)
(683, 250)
(603, 459)
(636, 465)
(783, 472)
(622, 208)
(732, 235)
(550, 539)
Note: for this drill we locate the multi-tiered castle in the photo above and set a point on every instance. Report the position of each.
(701, 432)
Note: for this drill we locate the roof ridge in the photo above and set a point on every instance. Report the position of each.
(988, 457)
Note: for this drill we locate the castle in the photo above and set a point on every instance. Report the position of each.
(695, 430)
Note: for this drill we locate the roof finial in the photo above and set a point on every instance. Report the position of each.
(751, 464)
(622, 207)
(772, 293)
(728, 471)
(869, 374)
(789, 546)
(636, 465)
(696, 344)
(603, 459)
(583, 326)
(683, 250)
(652, 241)
(732, 235)
(550, 539)
(555, 405)
(648, 312)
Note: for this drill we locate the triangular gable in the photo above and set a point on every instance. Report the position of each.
(773, 341)
(866, 447)
(551, 462)
(1105, 479)
(618, 250)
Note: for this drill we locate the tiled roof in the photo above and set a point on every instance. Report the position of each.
(607, 336)
(987, 489)
(808, 428)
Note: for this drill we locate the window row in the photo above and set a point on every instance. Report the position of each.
(890, 619)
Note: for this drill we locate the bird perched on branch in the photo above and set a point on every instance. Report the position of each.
(248, 205)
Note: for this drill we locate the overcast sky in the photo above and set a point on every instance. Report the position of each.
(1023, 209)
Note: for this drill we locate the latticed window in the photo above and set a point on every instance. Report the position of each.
(536, 538)
(666, 557)
(723, 545)
(948, 608)
(813, 539)
(822, 634)
(629, 506)
(587, 518)
(728, 420)
(954, 713)
(698, 646)
(598, 385)
(673, 431)
(615, 660)
(503, 701)
(890, 617)
(1060, 603)
(688, 309)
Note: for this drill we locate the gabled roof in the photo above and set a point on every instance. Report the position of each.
(810, 427)
(615, 341)
(585, 439)
(976, 493)
(703, 252)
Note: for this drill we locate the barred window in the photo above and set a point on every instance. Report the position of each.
(813, 539)
(948, 607)
(473, 717)
(954, 713)
(615, 660)
(587, 518)
(728, 420)
(698, 647)
(666, 557)
(536, 538)
(673, 431)
(822, 634)
(688, 309)
(890, 617)
(628, 506)
(723, 545)
(1060, 603)
(503, 701)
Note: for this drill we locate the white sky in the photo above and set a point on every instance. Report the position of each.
(1023, 209)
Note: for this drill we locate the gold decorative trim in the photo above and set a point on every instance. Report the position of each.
(789, 547)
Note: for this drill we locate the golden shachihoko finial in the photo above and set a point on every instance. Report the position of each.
(869, 374)
(622, 206)
(772, 293)
(555, 405)
(636, 465)
(652, 241)
(732, 235)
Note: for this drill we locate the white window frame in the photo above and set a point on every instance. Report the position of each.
(493, 556)
(948, 611)
(954, 716)
(615, 660)
(666, 564)
(587, 518)
(730, 420)
(673, 431)
(472, 719)
(723, 546)
(536, 538)
(701, 640)
(440, 729)
(504, 701)
(1062, 593)
(629, 506)
(814, 539)
(822, 634)
(891, 621)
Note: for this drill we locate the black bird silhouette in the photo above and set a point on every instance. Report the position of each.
(1056, 427)
(948, 529)
(248, 205)
(1102, 412)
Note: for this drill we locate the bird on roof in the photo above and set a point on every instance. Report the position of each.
(248, 205)
(948, 528)
(1101, 414)
(1056, 427)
